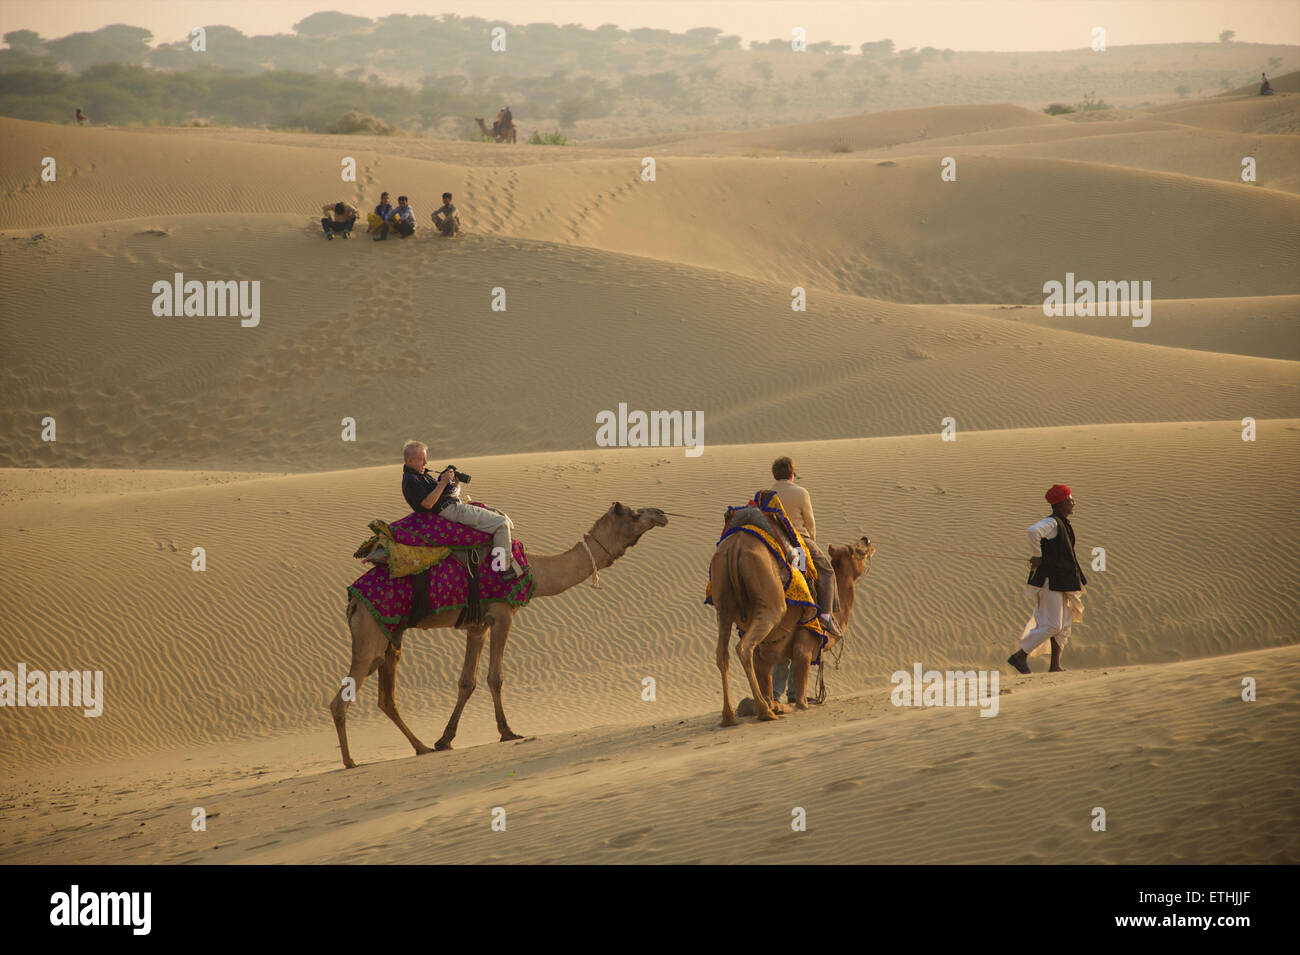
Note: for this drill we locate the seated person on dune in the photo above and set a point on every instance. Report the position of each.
(381, 214)
(441, 495)
(339, 217)
(401, 221)
(445, 218)
(1265, 88)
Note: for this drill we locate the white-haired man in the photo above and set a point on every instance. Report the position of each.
(441, 495)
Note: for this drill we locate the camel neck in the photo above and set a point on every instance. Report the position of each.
(556, 573)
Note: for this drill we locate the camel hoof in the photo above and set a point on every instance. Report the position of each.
(507, 736)
(422, 750)
(728, 720)
(349, 764)
(780, 708)
(766, 716)
(801, 706)
(442, 745)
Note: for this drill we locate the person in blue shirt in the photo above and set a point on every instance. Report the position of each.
(401, 221)
(382, 211)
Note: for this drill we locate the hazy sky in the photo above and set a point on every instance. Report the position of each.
(959, 24)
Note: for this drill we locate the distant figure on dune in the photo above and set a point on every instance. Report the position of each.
(445, 218)
(81, 117)
(1265, 88)
(1056, 582)
(339, 217)
(382, 211)
(401, 221)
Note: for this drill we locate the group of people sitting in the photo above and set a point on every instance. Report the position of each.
(387, 219)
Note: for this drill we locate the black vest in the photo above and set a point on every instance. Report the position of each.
(1059, 567)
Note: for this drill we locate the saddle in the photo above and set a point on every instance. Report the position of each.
(471, 558)
(749, 514)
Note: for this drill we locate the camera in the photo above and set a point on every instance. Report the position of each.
(461, 476)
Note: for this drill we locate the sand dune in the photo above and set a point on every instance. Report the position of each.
(368, 339)
(877, 784)
(256, 643)
(1249, 114)
(864, 131)
(923, 302)
(1261, 326)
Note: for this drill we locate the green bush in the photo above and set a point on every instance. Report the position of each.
(554, 138)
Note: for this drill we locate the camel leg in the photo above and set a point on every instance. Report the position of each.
(724, 660)
(801, 660)
(760, 625)
(763, 664)
(369, 645)
(496, 656)
(468, 676)
(388, 697)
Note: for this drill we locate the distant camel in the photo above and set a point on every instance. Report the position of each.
(507, 136)
(613, 533)
(747, 592)
(81, 117)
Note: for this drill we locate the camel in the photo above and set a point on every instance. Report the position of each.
(613, 533)
(747, 591)
(508, 136)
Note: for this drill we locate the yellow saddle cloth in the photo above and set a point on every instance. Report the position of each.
(403, 560)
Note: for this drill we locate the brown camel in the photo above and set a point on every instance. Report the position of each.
(506, 136)
(747, 592)
(609, 538)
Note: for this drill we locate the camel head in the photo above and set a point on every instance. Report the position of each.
(850, 562)
(621, 527)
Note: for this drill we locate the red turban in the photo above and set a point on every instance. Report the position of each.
(1057, 493)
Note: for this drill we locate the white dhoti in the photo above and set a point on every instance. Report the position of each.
(1054, 612)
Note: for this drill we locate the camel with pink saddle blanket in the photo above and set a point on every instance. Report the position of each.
(381, 606)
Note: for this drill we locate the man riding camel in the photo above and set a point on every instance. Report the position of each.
(429, 494)
(797, 504)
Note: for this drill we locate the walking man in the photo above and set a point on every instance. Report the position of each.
(1056, 582)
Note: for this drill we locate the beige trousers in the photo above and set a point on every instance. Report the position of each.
(485, 519)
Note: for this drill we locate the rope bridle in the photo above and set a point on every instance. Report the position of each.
(838, 652)
(595, 573)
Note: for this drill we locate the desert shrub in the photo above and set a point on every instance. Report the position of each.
(354, 122)
(1091, 103)
(553, 138)
(1056, 109)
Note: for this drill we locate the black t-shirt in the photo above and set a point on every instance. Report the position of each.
(417, 485)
